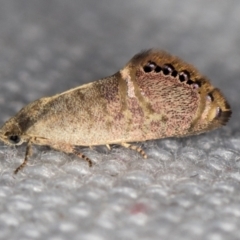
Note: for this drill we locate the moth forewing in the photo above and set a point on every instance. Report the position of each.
(156, 95)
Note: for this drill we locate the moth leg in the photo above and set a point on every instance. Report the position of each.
(63, 147)
(108, 146)
(80, 155)
(67, 148)
(135, 148)
(28, 153)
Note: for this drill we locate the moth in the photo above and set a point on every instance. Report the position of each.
(156, 95)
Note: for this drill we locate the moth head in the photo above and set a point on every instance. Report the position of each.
(10, 133)
(13, 132)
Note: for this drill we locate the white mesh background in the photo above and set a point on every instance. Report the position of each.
(187, 189)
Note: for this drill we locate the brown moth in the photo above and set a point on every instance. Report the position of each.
(154, 96)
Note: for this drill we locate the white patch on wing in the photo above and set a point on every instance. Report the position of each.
(130, 87)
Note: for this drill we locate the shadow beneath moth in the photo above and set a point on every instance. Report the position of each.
(156, 95)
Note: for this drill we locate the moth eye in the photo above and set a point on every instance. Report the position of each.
(184, 76)
(14, 139)
(168, 69)
(149, 67)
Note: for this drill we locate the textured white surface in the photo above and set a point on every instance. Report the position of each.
(187, 189)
